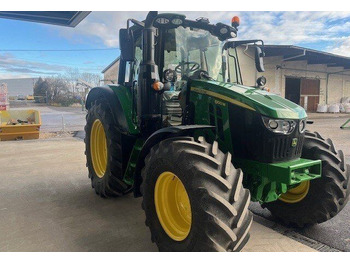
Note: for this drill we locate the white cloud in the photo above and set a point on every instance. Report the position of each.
(293, 27)
(101, 27)
(272, 27)
(11, 64)
(104, 26)
(341, 47)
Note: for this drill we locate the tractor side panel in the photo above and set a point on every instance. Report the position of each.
(125, 98)
(251, 98)
(212, 111)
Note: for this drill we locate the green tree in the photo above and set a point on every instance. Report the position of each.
(41, 88)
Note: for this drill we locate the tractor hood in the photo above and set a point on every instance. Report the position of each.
(252, 98)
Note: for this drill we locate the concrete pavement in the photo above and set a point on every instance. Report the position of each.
(47, 204)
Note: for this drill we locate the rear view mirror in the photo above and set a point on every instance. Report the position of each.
(126, 43)
(259, 61)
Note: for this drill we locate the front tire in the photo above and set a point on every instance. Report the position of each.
(324, 197)
(193, 197)
(103, 152)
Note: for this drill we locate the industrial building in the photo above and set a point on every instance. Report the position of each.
(19, 86)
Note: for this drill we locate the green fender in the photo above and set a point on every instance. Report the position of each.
(119, 99)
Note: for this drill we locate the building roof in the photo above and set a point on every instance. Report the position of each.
(297, 53)
(110, 65)
(63, 18)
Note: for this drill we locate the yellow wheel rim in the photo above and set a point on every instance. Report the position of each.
(173, 206)
(296, 194)
(98, 148)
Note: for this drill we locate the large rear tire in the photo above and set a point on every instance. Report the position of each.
(193, 197)
(323, 198)
(103, 152)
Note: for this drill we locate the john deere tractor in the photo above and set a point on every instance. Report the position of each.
(182, 131)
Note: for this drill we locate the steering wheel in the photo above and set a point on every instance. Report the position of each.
(195, 66)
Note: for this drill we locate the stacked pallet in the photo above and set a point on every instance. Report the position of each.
(4, 101)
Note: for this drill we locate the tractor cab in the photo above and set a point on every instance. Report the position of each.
(171, 51)
(192, 53)
(188, 54)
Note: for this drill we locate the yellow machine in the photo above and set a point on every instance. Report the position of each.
(19, 124)
(30, 97)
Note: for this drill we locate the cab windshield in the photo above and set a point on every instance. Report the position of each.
(187, 51)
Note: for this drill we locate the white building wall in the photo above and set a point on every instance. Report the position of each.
(277, 70)
(346, 87)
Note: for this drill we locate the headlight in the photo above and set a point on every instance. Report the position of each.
(279, 125)
(302, 125)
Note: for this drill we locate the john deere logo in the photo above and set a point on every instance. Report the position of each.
(294, 142)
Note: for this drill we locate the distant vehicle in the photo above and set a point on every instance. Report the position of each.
(21, 97)
(30, 97)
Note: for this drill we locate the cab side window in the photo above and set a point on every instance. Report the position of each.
(136, 65)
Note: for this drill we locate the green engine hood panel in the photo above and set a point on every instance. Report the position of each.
(263, 102)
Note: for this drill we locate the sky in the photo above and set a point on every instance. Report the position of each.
(324, 31)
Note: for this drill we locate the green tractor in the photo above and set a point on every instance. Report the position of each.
(182, 131)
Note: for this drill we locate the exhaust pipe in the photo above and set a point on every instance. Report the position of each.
(148, 100)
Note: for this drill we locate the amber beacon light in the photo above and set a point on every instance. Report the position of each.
(235, 21)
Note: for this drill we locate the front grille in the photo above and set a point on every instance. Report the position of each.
(282, 148)
(252, 140)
